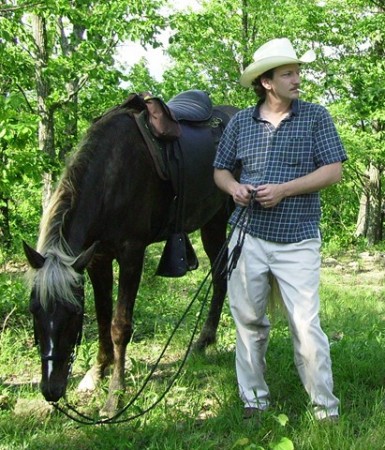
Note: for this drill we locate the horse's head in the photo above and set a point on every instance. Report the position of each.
(57, 306)
(57, 330)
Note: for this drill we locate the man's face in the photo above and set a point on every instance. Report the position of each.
(285, 83)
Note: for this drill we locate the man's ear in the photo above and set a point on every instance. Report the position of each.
(266, 83)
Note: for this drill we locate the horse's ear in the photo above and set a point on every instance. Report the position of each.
(35, 259)
(84, 258)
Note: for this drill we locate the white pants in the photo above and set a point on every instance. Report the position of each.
(296, 267)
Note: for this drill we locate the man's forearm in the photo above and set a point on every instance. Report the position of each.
(315, 181)
(225, 180)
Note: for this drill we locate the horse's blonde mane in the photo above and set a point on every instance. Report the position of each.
(57, 280)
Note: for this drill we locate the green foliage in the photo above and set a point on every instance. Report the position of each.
(208, 47)
(21, 166)
(339, 212)
(80, 83)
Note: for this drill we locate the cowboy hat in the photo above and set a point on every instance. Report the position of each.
(275, 53)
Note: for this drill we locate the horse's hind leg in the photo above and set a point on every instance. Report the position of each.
(101, 276)
(213, 236)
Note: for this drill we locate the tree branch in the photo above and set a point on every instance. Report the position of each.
(6, 9)
(25, 98)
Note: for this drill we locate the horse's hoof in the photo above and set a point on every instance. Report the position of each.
(89, 382)
(109, 410)
(202, 343)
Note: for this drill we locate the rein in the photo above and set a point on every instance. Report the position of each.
(242, 222)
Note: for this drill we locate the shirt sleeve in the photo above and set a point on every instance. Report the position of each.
(226, 156)
(328, 147)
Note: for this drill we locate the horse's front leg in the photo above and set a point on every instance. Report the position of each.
(121, 330)
(101, 276)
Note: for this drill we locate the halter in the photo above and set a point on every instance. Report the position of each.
(60, 358)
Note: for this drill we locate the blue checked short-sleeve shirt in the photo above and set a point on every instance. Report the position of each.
(304, 141)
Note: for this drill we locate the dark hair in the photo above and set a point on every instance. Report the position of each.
(259, 90)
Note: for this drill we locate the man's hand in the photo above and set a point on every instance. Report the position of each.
(242, 194)
(225, 180)
(269, 195)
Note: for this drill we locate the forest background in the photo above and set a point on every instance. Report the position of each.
(59, 69)
(61, 66)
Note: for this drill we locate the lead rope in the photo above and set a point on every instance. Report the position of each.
(242, 222)
(244, 215)
(112, 420)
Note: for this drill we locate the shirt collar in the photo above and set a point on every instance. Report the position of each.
(294, 109)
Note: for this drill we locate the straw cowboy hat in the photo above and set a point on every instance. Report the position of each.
(275, 53)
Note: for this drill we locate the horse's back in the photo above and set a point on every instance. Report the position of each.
(119, 195)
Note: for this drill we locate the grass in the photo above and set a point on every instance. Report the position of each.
(202, 410)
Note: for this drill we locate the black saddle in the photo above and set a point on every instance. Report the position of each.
(191, 106)
(181, 136)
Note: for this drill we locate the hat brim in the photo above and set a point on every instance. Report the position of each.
(257, 68)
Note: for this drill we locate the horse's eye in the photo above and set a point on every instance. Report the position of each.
(34, 307)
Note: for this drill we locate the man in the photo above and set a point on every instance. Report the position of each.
(287, 151)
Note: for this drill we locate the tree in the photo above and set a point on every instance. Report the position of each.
(356, 82)
(57, 58)
(64, 74)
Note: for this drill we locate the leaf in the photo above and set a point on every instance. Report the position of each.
(241, 442)
(284, 444)
(282, 419)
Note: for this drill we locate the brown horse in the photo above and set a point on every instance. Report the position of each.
(111, 203)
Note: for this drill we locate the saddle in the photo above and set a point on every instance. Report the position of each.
(181, 136)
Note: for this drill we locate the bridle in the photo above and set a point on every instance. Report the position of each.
(58, 357)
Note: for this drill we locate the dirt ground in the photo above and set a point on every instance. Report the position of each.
(363, 269)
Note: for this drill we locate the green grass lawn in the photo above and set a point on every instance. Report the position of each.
(202, 410)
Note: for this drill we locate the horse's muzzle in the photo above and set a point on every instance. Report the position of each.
(52, 392)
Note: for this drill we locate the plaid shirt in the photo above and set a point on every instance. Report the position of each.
(304, 141)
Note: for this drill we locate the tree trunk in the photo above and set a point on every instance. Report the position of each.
(5, 227)
(370, 216)
(71, 106)
(43, 89)
(374, 233)
(362, 219)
